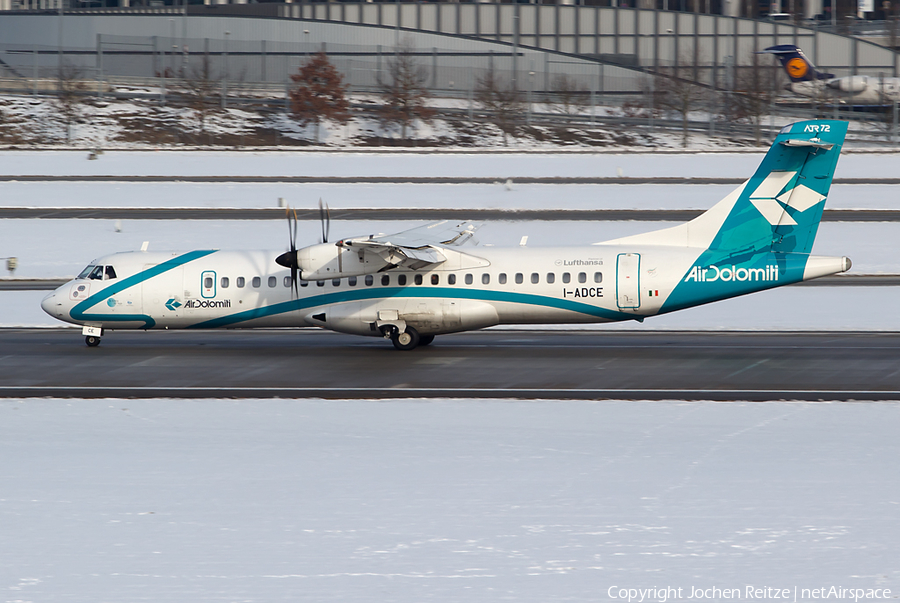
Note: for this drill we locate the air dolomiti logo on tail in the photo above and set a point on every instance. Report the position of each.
(711, 274)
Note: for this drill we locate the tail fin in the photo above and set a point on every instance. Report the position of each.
(776, 211)
(780, 207)
(796, 65)
(760, 236)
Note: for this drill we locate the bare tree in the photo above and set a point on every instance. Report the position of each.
(503, 101)
(70, 89)
(319, 94)
(755, 89)
(566, 96)
(403, 90)
(675, 91)
(200, 90)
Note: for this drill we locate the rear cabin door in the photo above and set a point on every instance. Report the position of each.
(628, 284)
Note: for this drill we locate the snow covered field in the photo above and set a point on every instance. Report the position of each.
(514, 196)
(446, 501)
(421, 162)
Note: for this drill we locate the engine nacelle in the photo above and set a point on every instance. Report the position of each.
(327, 260)
(854, 83)
(429, 316)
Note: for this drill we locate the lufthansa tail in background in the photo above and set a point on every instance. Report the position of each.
(435, 279)
(851, 91)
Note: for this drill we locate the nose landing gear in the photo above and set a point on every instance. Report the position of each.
(92, 335)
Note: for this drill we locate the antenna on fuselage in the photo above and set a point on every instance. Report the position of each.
(145, 245)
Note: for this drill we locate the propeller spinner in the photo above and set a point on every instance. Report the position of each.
(288, 259)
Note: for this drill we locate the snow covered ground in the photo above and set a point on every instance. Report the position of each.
(501, 195)
(420, 162)
(446, 501)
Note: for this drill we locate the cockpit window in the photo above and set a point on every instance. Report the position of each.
(98, 273)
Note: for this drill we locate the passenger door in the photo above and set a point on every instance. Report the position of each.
(628, 286)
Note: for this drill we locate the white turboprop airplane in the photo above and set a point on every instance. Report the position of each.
(426, 281)
(852, 90)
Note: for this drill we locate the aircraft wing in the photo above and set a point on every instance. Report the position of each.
(417, 247)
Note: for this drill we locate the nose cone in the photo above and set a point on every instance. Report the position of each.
(48, 303)
(57, 305)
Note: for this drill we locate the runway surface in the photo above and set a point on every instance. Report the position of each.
(489, 364)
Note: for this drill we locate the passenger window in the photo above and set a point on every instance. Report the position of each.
(255, 282)
(240, 282)
(582, 277)
(469, 279)
(207, 282)
(273, 282)
(351, 281)
(401, 280)
(335, 282)
(485, 279)
(551, 278)
(320, 283)
(287, 281)
(385, 280)
(598, 277)
(535, 278)
(501, 278)
(567, 278)
(418, 279)
(224, 282)
(519, 278)
(304, 283)
(370, 280)
(451, 279)
(110, 273)
(435, 279)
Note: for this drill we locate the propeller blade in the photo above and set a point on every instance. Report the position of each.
(325, 219)
(288, 259)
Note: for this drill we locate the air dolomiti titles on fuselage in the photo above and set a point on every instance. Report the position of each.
(434, 279)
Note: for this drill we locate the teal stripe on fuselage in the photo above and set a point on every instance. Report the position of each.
(78, 312)
(411, 292)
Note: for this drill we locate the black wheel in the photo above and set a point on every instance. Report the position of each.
(92, 341)
(407, 340)
(425, 339)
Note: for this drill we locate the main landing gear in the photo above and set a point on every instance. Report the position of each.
(408, 339)
(92, 341)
